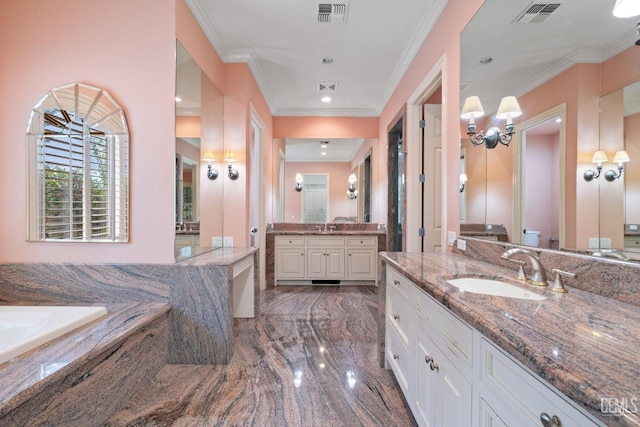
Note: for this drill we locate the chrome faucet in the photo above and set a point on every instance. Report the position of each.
(538, 274)
(610, 253)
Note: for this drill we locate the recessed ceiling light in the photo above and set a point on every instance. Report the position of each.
(178, 99)
(324, 153)
(485, 61)
(328, 60)
(326, 99)
(558, 120)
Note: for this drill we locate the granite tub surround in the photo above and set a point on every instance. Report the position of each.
(198, 289)
(335, 229)
(88, 374)
(607, 277)
(583, 344)
(308, 359)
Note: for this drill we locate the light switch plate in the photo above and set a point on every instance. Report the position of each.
(228, 241)
(451, 237)
(594, 243)
(462, 244)
(216, 241)
(605, 243)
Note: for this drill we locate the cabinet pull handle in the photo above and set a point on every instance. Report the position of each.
(433, 366)
(428, 359)
(396, 357)
(396, 282)
(396, 317)
(548, 421)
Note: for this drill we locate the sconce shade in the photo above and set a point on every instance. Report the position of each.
(599, 157)
(299, 178)
(230, 156)
(208, 156)
(352, 179)
(621, 157)
(508, 108)
(472, 108)
(463, 178)
(626, 8)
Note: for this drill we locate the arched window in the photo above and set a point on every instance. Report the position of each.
(77, 154)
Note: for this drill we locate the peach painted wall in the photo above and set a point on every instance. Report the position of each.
(338, 173)
(325, 127)
(105, 44)
(188, 127)
(241, 94)
(442, 44)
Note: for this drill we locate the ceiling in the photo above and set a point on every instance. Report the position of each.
(284, 44)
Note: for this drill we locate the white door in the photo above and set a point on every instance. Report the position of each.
(432, 204)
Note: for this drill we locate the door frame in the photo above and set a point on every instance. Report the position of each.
(519, 166)
(435, 78)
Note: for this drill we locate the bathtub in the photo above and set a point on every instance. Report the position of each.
(23, 328)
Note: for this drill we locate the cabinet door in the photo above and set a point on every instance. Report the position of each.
(361, 264)
(427, 383)
(454, 408)
(290, 263)
(334, 264)
(316, 263)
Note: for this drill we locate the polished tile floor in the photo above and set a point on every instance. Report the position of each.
(309, 359)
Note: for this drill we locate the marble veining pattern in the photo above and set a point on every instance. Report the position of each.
(584, 344)
(308, 359)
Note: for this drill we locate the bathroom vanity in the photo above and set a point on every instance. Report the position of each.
(306, 254)
(472, 359)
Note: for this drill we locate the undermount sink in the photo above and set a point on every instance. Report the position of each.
(493, 287)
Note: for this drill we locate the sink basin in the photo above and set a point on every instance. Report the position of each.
(493, 287)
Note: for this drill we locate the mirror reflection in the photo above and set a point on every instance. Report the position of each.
(580, 54)
(199, 129)
(323, 180)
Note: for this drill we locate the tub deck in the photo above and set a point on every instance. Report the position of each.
(42, 370)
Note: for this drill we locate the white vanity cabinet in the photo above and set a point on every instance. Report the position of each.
(451, 375)
(301, 259)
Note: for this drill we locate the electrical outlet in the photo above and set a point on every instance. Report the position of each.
(462, 244)
(228, 241)
(605, 243)
(451, 237)
(594, 243)
(489, 227)
(216, 241)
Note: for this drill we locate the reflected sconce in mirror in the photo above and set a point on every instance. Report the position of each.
(626, 8)
(620, 158)
(209, 157)
(463, 181)
(299, 182)
(598, 158)
(508, 110)
(352, 191)
(230, 158)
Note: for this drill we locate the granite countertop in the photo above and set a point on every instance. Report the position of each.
(585, 345)
(188, 232)
(326, 233)
(220, 256)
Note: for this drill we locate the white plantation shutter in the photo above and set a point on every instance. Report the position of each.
(78, 185)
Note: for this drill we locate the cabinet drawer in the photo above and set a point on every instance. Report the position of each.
(508, 379)
(399, 284)
(399, 318)
(289, 241)
(398, 358)
(632, 242)
(325, 241)
(362, 241)
(457, 335)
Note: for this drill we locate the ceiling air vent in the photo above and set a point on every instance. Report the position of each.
(333, 13)
(536, 13)
(328, 87)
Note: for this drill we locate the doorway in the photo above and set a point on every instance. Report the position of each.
(315, 198)
(539, 177)
(397, 185)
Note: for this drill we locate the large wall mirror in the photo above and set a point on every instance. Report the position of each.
(512, 48)
(322, 180)
(199, 149)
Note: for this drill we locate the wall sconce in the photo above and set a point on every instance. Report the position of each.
(626, 8)
(352, 191)
(621, 157)
(230, 158)
(508, 110)
(298, 182)
(598, 157)
(209, 157)
(463, 181)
